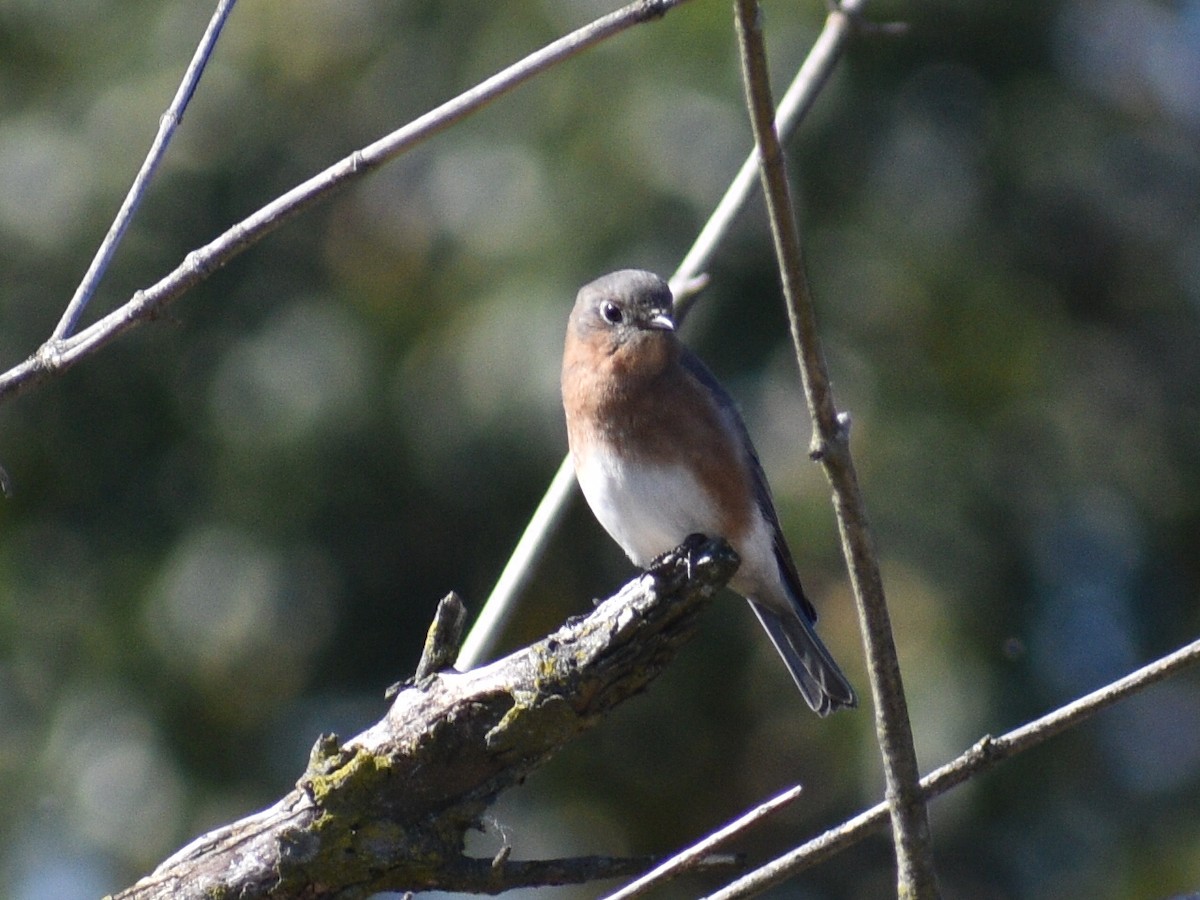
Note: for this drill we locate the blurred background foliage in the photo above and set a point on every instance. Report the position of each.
(230, 529)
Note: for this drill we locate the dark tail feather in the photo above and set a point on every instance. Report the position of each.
(820, 680)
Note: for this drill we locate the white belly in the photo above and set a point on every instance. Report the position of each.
(648, 509)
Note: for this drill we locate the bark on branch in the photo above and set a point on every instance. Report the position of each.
(389, 809)
(916, 877)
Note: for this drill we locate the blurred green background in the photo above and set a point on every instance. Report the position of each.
(230, 529)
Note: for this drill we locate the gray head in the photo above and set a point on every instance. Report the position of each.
(622, 304)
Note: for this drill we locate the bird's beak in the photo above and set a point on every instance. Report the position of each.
(662, 321)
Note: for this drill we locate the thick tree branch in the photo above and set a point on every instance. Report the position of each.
(390, 808)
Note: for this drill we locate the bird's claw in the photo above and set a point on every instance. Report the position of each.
(694, 551)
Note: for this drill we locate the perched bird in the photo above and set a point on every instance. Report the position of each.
(662, 453)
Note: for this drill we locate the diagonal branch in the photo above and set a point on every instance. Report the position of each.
(986, 752)
(389, 809)
(688, 859)
(57, 355)
(916, 877)
(166, 129)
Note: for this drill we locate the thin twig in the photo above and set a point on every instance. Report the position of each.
(916, 876)
(818, 65)
(166, 129)
(695, 855)
(498, 608)
(982, 756)
(57, 355)
(530, 548)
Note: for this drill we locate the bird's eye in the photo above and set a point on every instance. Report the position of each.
(611, 312)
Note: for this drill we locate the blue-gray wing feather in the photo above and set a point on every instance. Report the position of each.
(787, 567)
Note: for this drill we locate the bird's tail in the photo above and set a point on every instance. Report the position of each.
(822, 683)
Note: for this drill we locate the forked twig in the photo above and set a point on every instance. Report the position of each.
(166, 130)
(57, 355)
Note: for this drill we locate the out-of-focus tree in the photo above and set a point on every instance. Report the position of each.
(229, 530)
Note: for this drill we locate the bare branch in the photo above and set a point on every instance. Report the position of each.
(531, 546)
(389, 809)
(694, 855)
(982, 756)
(499, 606)
(916, 877)
(57, 355)
(166, 129)
(818, 65)
(444, 638)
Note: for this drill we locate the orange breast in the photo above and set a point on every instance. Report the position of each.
(661, 417)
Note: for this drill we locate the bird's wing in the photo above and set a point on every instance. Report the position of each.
(787, 567)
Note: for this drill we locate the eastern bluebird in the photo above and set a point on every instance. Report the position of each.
(662, 453)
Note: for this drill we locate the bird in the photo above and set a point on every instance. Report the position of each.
(661, 453)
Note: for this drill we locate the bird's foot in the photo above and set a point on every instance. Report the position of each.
(694, 550)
